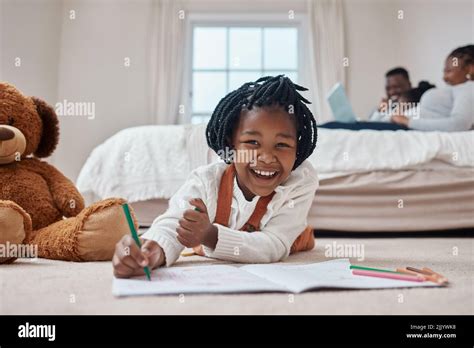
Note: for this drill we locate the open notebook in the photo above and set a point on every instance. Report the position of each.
(277, 277)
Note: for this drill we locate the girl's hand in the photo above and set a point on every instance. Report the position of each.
(400, 119)
(129, 260)
(195, 227)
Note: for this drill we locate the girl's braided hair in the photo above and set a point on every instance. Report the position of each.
(267, 91)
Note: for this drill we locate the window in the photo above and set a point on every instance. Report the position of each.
(225, 57)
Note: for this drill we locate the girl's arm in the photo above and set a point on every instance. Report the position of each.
(163, 229)
(273, 242)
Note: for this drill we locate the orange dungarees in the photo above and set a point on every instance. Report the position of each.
(305, 240)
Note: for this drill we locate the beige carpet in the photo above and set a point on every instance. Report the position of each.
(54, 287)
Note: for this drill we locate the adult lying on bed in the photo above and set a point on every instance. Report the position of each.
(450, 108)
(397, 81)
(447, 109)
(407, 103)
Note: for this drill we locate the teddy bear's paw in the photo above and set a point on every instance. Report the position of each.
(103, 225)
(90, 236)
(15, 226)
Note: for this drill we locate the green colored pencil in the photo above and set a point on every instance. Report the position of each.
(126, 209)
(372, 269)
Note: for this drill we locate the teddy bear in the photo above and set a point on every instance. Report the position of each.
(39, 206)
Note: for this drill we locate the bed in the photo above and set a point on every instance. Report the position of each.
(370, 181)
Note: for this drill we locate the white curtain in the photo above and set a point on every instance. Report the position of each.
(167, 60)
(326, 51)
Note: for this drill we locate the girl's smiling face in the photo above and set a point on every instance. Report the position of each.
(270, 134)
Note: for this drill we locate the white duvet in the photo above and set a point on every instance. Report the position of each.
(152, 162)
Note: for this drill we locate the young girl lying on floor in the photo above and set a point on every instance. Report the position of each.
(252, 207)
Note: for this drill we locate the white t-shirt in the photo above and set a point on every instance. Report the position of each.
(284, 221)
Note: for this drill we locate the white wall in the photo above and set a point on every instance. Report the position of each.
(92, 69)
(369, 38)
(82, 59)
(30, 30)
(430, 31)
(377, 40)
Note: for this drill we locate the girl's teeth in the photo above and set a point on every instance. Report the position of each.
(264, 173)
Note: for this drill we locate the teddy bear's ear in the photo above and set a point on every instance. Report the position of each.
(50, 136)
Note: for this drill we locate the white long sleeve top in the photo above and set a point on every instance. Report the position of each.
(285, 219)
(449, 109)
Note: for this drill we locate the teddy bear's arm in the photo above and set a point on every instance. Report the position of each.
(65, 195)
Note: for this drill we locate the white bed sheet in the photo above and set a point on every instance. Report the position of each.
(152, 162)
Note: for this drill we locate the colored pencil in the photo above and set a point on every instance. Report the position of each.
(441, 279)
(371, 269)
(388, 275)
(126, 209)
(418, 270)
(440, 276)
(431, 278)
